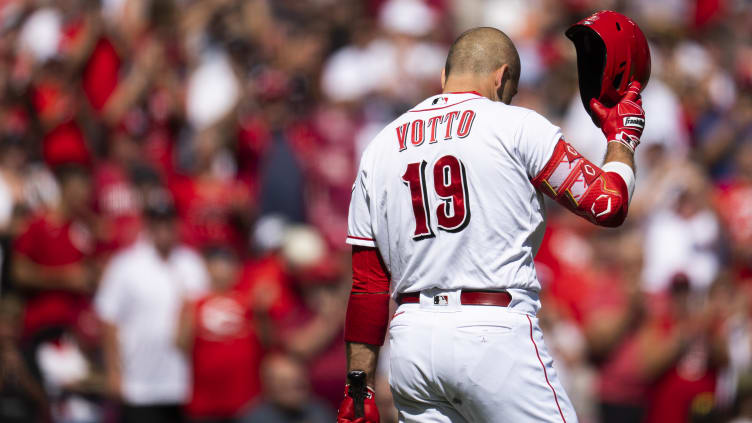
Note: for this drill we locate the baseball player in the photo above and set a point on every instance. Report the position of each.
(446, 216)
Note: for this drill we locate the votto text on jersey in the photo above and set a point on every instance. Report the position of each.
(442, 126)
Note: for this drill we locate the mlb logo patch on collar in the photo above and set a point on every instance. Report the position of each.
(439, 100)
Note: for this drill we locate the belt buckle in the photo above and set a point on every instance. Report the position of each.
(441, 300)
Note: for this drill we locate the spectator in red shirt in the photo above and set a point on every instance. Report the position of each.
(218, 332)
(612, 310)
(313, 330)
(653, 353)
(303, 283)
(306, 295)
(116, 197)
(686, 390)
(51, 257)
(213, 205)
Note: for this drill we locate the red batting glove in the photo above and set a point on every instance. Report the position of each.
(346, 412)
(624, 122)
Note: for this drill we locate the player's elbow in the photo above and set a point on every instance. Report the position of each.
(613, 221)
(610, 212)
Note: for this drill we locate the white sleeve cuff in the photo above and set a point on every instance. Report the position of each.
(360, 241)
(626, 173)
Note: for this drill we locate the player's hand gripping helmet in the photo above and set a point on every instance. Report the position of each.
(611, 53)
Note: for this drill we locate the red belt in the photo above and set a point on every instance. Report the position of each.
(488, 298)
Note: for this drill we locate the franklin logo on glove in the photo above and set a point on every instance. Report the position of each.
(634, 122)
(628, 111)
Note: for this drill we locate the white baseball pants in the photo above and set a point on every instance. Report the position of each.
(475, 364)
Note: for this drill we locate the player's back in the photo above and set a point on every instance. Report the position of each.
(444, 192)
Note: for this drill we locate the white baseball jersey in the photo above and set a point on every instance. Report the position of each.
(444, 193)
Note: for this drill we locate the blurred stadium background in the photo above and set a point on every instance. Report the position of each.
(174, 183)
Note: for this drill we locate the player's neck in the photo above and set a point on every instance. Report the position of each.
(468, 83)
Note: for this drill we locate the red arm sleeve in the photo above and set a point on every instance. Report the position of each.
(585, 189)
(368, 308)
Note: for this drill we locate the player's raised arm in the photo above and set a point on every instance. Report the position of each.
(600, 195)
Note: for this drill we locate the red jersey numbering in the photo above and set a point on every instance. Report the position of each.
(418, 130)
(450, 183)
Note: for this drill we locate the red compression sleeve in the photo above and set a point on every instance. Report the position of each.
(368, 308)
(585, 189)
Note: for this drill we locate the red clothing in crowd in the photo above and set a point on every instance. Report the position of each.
(206, 209)
(117, 203)
(688, 388)
(101, 74)
(565, 268)
(226, 356)
(734, 205)
(254, 138)
(65, 144)
(268, 275)
(324, 146)
(620, 380)
(64, 141)
(52, 243)
(327, 367)
(159, 148)
(689, 385)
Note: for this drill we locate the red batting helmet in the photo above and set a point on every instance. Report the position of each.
(612, 52)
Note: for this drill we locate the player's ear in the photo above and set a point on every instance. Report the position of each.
(501, 78)
(443, 77)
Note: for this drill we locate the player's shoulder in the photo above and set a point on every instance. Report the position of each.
(526, 120)
(518, 114)
(513, 121)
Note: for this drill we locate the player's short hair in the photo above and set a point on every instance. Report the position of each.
(482, 50)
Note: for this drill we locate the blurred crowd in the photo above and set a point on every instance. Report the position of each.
(174, 184)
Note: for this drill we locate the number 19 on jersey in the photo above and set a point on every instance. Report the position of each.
(450, 185)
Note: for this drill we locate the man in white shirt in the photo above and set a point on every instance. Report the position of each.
(139, 303)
